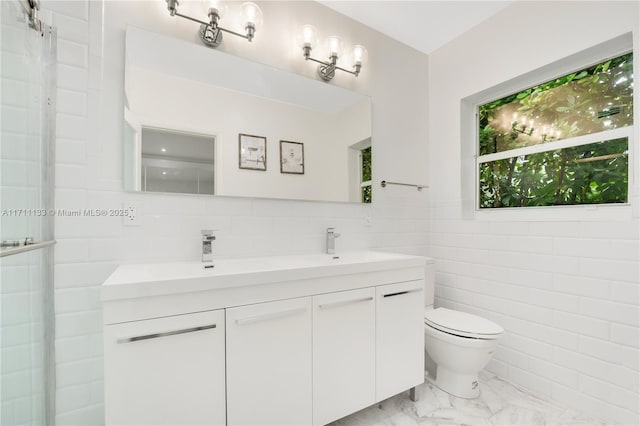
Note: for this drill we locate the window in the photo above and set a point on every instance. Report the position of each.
(365, 175)
(562, 142)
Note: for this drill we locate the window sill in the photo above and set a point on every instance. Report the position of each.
(610, 212)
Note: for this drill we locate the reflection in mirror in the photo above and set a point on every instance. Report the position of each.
(187, 169)
(195, 103)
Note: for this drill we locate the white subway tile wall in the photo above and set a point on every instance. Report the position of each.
(568, 302)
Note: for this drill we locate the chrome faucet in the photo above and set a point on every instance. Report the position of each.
(331, 240)
(207, 239)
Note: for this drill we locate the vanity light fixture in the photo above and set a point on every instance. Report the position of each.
(211, 32)
(327, 69)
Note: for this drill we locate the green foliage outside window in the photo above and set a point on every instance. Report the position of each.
(366, 194)
(365, 191)
(592, 100)
(586, 174)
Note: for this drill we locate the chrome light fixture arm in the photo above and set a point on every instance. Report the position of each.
(190, 18)
(327, 69)
(249, 35)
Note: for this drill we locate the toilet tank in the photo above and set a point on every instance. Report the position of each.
(429, 281)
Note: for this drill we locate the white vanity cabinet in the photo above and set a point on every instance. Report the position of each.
(344, 349)
(166, 371)
(269, 363)
(291, 340)
(399, 337)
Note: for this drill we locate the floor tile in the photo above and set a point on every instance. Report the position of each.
(499, 403)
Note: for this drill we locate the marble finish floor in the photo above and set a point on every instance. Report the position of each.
(500, 403)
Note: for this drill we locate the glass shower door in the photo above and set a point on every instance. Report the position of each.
(26, 220)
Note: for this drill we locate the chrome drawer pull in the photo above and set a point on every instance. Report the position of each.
(400, 293)
(344, 302)
(165, 334)
(270, 316)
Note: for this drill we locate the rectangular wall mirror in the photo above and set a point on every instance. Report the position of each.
(201, 121)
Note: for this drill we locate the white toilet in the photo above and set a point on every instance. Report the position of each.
(459, 344)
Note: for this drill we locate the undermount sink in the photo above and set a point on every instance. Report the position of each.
(155, 279)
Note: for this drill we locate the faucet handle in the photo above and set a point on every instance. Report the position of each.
(332, 231)
(207, 234)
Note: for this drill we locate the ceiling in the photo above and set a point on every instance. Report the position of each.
(424, 25)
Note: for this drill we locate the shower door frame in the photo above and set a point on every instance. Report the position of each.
(47, 120)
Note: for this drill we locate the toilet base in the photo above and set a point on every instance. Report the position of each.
(456, 384)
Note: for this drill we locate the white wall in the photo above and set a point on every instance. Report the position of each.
(566, 291)
(89, 171)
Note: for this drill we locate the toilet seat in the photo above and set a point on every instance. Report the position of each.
(462, 324)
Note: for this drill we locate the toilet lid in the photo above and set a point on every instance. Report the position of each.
(462, 324)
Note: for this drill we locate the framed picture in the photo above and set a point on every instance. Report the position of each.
(291, 157)
(252, 152)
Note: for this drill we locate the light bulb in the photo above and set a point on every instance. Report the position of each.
(216, 6)
(251, 14)
(359, 54)
(335, 46)
(308, 36)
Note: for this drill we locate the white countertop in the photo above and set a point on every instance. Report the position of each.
(156, 279)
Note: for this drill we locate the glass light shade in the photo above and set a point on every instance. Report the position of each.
(309, 36)
(360, 54)
(217, 5)
(251, 14)
(334, 46)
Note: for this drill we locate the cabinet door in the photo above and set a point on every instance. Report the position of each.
(269, 363)
(166, 371)
(344, 338)
(399, 337)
